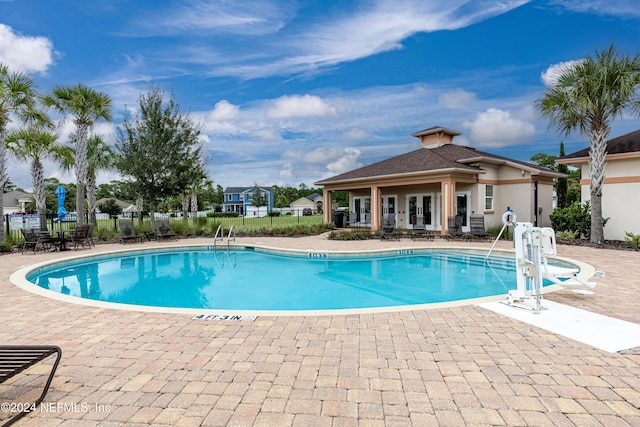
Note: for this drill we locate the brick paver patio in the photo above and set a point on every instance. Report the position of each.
(450, 366)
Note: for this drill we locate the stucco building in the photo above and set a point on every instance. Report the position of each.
(442, 179)
(620, 203)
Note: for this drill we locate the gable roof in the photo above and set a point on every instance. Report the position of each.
(238, 190)
(624, 144)
(12, 198)
(446, 158)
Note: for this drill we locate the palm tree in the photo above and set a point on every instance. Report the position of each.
(100, 157)
(87, 106)
(17, 95)
(587, 97)
(35, 144)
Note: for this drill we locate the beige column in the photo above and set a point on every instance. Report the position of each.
(327, 203)
(448, 203)
(376, 208)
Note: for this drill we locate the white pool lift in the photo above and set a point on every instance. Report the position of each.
(533, 247)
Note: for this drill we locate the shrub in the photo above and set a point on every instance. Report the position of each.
(567, 235)
(6, 246)
(574, 218)
(633, 239)
(352, 235)
(274, 213)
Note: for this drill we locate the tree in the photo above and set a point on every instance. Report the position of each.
(87, 106)
(111, 207)
(17, 95)
(587, 97)
(259, 197)
(562, 183)
(159, 149)
(544, 160)
(99, 157)
(35, 145)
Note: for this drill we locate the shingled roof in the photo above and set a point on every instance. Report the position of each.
(432, 160)
(628, 143)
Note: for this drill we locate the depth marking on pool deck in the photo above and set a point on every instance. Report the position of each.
(223, 317)
(603, 332)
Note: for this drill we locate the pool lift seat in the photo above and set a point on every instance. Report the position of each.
(533, 246)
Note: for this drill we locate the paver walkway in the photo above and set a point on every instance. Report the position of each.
(451, 367)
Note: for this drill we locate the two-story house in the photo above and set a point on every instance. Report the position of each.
(240, 199)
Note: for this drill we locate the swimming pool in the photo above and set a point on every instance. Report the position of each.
(256, 279)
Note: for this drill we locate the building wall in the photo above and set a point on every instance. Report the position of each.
(620, 203)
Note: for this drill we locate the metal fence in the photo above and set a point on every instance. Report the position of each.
(255, 220)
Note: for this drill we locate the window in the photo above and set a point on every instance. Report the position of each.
(488, 197)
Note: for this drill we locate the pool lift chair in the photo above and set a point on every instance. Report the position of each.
(533, 246)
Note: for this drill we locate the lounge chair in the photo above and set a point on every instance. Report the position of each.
(128, 232)
(419, 228)
(389, 230)
(164, 231)
(454, 230)
(81, 236)
(477, 227)
(17, 358)
(352, 219)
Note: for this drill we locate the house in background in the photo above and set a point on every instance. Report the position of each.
(16, 201)
(240, 199)
(620, 202)
(312, 202)
(442, 180)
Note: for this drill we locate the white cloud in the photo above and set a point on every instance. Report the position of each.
(356, 134)
(25, 53)
(224, 110)
(337, 36)
(287, 170)
(622, 8)
(551, 75)
(498, 128)
(300, 106)
(347, 162)
(457, 99)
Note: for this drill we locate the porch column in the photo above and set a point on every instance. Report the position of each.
(327, 210)
(448, 191)
(375, 209)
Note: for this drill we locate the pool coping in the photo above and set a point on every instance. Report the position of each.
(18, 278)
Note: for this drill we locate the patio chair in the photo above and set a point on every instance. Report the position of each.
(454, 229)
(389, 230)
(352, 219)
(164, 231)
(477, 227)
(128, 232)
(35, 240)
(81, 236)
(419, 228)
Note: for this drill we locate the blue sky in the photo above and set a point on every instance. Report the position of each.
(295, 91)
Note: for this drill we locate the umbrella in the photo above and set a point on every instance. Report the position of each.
(61, 193)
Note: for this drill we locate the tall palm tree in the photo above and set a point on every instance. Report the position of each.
(587, 97)
(87, 106)
(36, 144)
(17, 95)
(100, 157)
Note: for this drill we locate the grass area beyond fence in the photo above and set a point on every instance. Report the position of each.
(108, 229)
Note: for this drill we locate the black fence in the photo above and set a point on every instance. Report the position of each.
(14, 223)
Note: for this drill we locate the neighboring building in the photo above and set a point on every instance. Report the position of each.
(620, 203)
(312, 201)
(240, 199)
(15, 201)
(441, 180)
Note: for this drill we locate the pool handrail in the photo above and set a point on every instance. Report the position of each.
(215, 238)
(232, 229)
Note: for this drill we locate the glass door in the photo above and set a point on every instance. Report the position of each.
(421, 205)
(462, 208)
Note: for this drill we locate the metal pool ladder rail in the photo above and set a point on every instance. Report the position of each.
(220, 231)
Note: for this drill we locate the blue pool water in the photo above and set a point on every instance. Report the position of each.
(257, 280)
